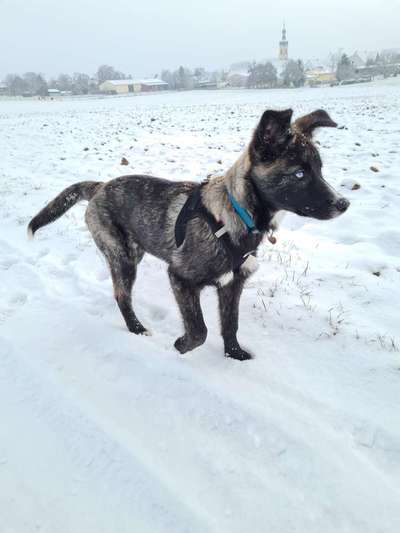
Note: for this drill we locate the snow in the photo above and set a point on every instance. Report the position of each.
(105, 431)
(151, 81)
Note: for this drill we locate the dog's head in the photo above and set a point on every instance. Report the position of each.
(286, 168)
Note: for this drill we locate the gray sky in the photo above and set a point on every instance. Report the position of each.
(141, 37)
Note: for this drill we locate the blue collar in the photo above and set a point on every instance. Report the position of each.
(245, 216)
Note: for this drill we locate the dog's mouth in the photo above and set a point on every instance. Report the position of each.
(320, 215)
(332, 211)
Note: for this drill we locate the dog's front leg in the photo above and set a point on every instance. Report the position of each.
(188, 299)
(229, 297)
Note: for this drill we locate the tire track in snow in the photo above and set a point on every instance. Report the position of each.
(120, 477)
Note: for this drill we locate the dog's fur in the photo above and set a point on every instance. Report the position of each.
(131, 215)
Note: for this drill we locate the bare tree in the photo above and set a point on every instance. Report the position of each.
(345, 69)
(15, 84)
(182, 78)
(64, 82)
(106, 72)
(168, 77)
(36, 84)
(80, 83)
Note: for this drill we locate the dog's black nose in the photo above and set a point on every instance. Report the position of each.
(342, 204)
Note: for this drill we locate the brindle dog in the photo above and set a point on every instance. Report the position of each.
(279, 171)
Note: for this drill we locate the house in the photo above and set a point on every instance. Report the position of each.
(132, 86)
(3, 88)
(206, 84)
(53, 92)
(117, 87)
(320, 76)
(153, 84)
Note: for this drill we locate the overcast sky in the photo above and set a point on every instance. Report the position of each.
(140, 37)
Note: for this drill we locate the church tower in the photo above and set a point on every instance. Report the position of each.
(283, 46)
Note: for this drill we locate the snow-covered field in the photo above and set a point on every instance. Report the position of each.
(103, 431)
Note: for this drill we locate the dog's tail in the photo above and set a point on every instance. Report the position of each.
(85, 190)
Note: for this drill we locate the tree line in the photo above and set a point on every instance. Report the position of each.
(257, 75)
(35, 84)
(185, 78)
(252, 75)
(386, 64)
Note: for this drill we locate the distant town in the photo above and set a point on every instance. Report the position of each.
(282, 71)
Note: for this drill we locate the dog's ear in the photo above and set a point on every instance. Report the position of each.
(272, 133)
(317, 119)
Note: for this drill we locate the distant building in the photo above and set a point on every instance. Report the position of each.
(153, 84)
(117, 87)
(206, 84)
(320, 76)
(53, 92)
(283, 46)
(3, 88)
(132, 86)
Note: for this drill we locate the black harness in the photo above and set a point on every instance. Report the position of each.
(194, 207)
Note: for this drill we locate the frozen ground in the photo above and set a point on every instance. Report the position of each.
(102, 431)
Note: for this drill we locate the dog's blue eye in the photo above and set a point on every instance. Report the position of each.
(299, 174)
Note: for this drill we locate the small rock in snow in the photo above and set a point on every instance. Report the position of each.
(350, 184)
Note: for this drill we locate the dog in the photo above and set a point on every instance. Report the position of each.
(208, 233)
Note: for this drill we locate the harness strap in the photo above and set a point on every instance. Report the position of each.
(194, 207)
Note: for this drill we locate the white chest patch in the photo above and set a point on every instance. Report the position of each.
(225, 279)
(251, 264)
(248, 267)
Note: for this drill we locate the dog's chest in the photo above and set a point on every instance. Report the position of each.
(242, 259)
(249, 266)
(203, 259)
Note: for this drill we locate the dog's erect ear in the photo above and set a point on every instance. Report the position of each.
(272, 132)
(273, 125)
(317, 119)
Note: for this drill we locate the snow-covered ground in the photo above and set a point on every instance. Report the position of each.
(103, 431)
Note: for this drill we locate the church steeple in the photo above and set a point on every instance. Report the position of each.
(283, 45)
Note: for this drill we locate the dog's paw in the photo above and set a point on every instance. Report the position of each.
(185, 344)
(236, 352)
(138, 329)
(181, 344)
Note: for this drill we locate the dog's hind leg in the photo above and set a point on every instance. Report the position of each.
(122, 260)
(229, 297)
(123, 273)
(188, 299)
